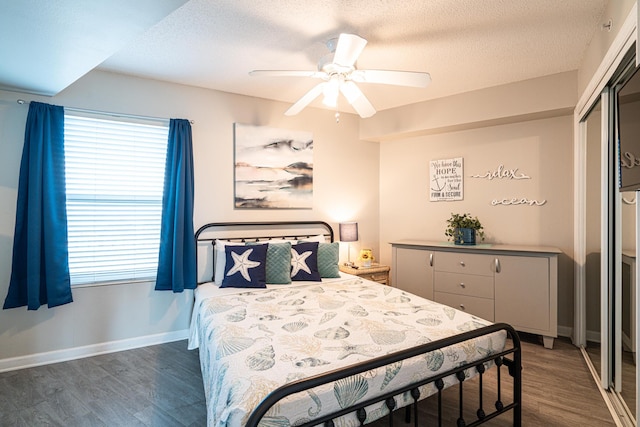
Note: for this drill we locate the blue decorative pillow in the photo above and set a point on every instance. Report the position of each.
(278, 263)
(220, 259)
(304, 262)
(245, 267)
(328, 254)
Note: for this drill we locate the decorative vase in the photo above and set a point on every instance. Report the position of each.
(465, 236)
(366, 256)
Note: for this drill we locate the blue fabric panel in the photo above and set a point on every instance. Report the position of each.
(177, 257)
(40, 264)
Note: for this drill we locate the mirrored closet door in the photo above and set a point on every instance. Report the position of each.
(627, 132)
(610, 138)
(627, 370)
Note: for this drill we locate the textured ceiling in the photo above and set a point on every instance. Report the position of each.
(464, 44)
(47, 45)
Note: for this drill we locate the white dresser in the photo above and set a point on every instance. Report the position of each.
(517, 285)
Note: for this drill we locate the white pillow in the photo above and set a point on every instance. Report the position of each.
(220, 259)
(319, 238)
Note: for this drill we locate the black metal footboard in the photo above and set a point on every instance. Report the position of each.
(510, 358)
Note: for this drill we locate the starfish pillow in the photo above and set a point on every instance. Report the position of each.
(245, 267)
(304, 262)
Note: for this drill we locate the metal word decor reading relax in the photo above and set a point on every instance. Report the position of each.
(629, 160)
(501, 172)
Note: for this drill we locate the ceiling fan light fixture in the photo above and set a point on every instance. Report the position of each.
(330, 91)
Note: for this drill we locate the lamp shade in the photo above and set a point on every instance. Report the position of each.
(348, 231)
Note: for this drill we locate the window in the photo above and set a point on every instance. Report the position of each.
(114, 181)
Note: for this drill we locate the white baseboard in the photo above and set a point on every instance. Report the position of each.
(565, 331)
(627, 342)
(56, 356)
(593, 336)
(28, 361)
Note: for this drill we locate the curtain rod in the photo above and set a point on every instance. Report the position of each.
(107, 113)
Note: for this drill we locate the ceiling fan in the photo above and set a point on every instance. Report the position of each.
(338, 71)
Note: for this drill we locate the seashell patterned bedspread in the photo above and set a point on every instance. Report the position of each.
(253, 341)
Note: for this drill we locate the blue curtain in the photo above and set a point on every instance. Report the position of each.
(40, 264)
(177, 259)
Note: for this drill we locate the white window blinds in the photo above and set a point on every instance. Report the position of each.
(114, 181)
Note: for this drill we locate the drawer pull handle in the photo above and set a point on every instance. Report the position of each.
(431, 260)
(462, 285)
(462, 263)
(461, 306)
(497, 265)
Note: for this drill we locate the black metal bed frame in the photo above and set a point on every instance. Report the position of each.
(513, 365)
(318, 225)
(510, 357)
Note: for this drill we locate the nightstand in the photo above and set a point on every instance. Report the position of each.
(377, 273)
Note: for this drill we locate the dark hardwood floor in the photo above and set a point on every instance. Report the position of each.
(557, 387)
(162, 386)
(151, 386)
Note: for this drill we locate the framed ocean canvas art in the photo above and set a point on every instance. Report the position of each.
(273, 168)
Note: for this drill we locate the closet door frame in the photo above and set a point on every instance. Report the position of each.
(608, 232)
(621, 45)
(598, 89)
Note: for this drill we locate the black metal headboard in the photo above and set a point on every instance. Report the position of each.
(256, 232)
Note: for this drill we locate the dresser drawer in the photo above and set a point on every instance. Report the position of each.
(459, 262)
(464, 284)
(376, 273)
(377, 277)
(480, 307)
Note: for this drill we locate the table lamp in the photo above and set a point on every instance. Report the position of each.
(348, 233)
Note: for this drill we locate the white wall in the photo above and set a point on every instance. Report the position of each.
(345, 188)
(547, 96)
(526, 125)
(616, 11)
(542, 149)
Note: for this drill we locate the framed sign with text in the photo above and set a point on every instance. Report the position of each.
(446, 180)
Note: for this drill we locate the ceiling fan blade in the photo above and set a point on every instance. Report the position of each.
(289, 73)
(356, 98)
(348, 49)
(305, 100)
(389, 77)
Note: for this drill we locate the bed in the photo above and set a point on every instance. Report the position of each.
(330, 348)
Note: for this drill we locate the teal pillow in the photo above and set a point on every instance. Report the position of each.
(278, 263)
(328, 260)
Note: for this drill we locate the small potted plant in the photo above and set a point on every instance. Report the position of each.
(463, 229)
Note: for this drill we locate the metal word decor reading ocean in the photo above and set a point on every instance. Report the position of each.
(500, 172)
(446, 180)
(273, 167)
(518, 201)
